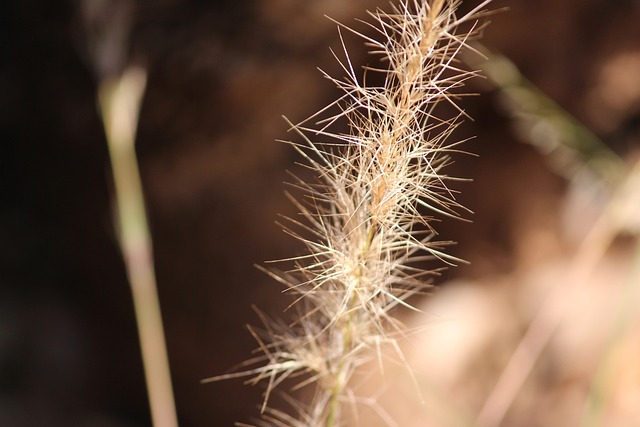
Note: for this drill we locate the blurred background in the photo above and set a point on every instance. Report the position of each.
(220, 75)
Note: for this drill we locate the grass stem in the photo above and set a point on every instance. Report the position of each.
(119, 101)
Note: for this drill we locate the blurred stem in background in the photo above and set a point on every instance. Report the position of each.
(570, 147)
(119, 100)
(571, 150)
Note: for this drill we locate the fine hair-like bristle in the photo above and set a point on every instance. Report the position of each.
(361, 221)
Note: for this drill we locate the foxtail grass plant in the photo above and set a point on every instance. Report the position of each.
(363, 220)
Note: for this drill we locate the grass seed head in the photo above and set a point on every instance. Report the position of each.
(362, 224)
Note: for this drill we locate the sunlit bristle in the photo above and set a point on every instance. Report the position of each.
(362, 222)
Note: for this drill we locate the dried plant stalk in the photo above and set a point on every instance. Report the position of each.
(362, 226)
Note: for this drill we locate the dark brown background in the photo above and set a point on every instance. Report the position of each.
(220, 75)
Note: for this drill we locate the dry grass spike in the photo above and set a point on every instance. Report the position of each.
(362, 225)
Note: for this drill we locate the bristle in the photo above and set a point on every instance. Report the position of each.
(362, 224)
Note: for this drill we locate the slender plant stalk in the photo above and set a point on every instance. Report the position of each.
(120, 104)
(573, 147)
(362, 220)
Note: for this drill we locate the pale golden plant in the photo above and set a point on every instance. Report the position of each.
(362, 221)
